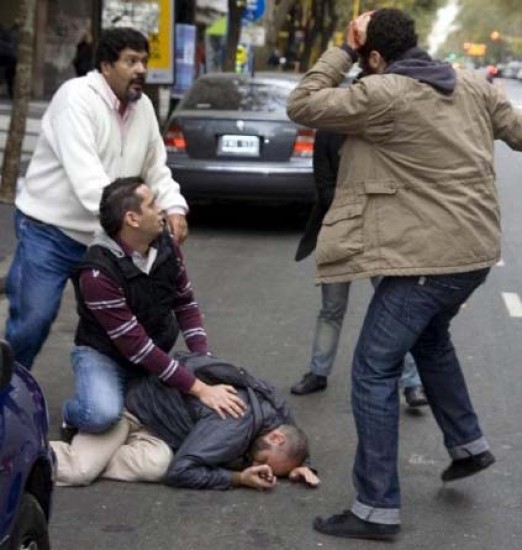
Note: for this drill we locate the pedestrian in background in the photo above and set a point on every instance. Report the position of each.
(334, 296)
(416, 203)
(8, 56)
(97, 128)
(83, 61)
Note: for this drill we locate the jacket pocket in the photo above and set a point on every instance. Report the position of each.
(341, 235)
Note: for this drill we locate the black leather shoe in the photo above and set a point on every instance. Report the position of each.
(310, 383)
(465, 467)
(415, 396)
(349, 526)
(67, 433)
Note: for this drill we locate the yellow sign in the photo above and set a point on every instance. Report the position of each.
(161, 45)
(475, 50)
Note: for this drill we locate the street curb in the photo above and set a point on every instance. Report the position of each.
(4, 268)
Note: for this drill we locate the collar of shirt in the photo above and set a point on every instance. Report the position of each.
(115, 103)
(143, 263)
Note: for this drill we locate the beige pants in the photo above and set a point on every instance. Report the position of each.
(126, 452)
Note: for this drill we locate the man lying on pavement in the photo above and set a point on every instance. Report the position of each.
(171, 437)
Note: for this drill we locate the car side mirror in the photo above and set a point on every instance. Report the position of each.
(6, 364)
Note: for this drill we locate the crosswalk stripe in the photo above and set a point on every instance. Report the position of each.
(513, 303)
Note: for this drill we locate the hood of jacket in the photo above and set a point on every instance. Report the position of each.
(417, 64)
(102, 239)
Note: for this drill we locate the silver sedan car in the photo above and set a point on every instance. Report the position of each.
(229, 138)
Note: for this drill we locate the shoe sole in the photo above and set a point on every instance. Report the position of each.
(293, 392)
(390, 536)
(470, 472)
(417, 405)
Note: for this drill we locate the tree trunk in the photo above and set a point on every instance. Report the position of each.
(314, 28)
(20, 107)
(329, 29)
(235, 14)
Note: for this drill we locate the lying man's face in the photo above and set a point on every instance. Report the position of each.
(270, 449)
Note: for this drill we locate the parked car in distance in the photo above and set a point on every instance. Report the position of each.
(230, 138)
(26, 460)
(511, 69)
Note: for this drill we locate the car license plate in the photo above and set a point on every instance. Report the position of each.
(243, 146)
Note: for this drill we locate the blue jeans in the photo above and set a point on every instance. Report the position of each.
(334, 302)
(44, 259)
(100, 385)
(408, 314)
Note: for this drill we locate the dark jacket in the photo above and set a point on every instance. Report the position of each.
(326, 166)
(150, 296)
(205, 445)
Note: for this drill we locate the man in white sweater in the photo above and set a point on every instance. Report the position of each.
(97, 128)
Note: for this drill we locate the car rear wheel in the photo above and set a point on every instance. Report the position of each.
(30, 530)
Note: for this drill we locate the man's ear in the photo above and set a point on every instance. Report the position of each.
(105, 66)
(276, 437)
(131, 219)
(376, 62)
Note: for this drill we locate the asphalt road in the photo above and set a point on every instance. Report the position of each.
(260, 309)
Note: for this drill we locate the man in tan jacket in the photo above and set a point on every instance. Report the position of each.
(415, 203)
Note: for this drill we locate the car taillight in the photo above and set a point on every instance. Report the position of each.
(175, 140)
(304, 143)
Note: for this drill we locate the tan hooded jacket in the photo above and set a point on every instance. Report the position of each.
(416, 188)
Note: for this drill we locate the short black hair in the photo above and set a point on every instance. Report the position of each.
(113, 41)
(296, 445)
(391, 32)
(118, 198)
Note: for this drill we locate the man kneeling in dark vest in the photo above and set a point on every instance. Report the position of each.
(133, 296)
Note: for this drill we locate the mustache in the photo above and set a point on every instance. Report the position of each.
(138, 80)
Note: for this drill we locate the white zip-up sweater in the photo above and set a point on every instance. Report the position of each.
(85, 144)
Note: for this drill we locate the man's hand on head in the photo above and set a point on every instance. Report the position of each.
(258, 477)
(356, 31)
(304, 475)
(178, 226)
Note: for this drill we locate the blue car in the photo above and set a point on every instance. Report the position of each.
(26, 460)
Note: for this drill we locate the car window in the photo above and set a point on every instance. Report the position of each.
(229, 94)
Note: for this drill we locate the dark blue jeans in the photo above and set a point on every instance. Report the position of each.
(44, 259)
(408, 314)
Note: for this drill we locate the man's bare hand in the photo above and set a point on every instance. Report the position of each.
(222, 399)
(305, 475)
(178, 227)
(258, 477)
(356, 30)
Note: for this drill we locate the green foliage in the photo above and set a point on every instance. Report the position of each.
(423, 11)
(476, 21)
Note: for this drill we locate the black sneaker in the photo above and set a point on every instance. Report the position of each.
(465, 467)
(310, 383)
(415, 396)
(67, 432)
(349, 526)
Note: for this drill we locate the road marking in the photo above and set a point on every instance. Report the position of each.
(513, 303)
